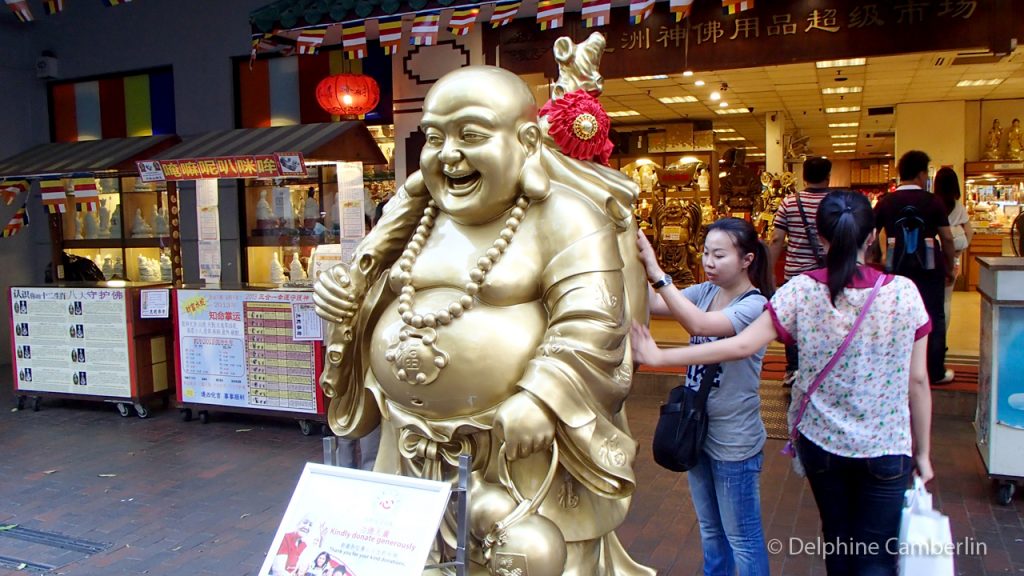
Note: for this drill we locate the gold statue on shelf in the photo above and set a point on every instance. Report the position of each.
(1015, 141)
(678, 233)
(739, 187)
(488, 314)
(993, 141)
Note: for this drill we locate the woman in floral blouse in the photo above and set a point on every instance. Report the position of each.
(866, 428)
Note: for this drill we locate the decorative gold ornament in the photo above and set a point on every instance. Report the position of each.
(585, 126)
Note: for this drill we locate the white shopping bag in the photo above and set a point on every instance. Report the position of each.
(926, 541)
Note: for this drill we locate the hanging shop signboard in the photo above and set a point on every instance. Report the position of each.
(248, 349)
(71, 341)
(280, 165)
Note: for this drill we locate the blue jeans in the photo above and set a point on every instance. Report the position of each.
(727, 497)
(860, 501)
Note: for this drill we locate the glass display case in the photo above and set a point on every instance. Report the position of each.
(129, 234)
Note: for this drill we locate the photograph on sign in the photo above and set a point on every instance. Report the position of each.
(352, 522)
(155, 303)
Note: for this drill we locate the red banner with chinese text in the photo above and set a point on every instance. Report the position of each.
(281, 165)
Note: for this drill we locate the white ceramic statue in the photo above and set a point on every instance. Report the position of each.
(108, 267)
(165, 268)
(79, 226)
(295, 271)
(276, 270)
(283, 208)
(160, 226)
(92, 226)
(311, 209)
(118, 268)
(114, 231)
(263, 211)
(141, 228)
(145, 271)
(104, 219)
(330, 212)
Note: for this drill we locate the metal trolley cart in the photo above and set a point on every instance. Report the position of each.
(89, 340)
(250, 349)
(1000, 415)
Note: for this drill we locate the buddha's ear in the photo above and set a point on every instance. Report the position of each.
(533, 180)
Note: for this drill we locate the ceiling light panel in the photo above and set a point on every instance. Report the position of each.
(844, 125)
(623, 113)
(842, 109)
(643, 78)
(842, 90)
(976, 83)
(841, 63)
(677, 99)
(732, 111)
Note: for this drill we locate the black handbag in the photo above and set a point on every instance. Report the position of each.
(683, 424)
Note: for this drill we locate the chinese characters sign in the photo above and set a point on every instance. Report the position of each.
(283, 165)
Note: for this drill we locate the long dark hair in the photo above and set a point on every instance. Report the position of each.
(947, 187)
(845, 219)
(744, 237)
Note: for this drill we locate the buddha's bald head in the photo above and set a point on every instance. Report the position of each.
(489, 86)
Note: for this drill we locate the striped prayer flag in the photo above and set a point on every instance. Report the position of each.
(639, 10)
(681, 8)
(11, 189)
(16, 223)
(389, 33)
(424, 29)
(596, 12)
(310, 39)
(353, 39)
(21, 10)
(109, 3)
(53, 195)
(736, 6)
(51, 7)
(462, 20)
(505, 12)
(550, 14)
(86, 193)
(114, 107)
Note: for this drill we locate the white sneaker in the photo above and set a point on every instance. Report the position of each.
(946, 378)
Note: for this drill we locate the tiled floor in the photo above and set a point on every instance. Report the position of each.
(173, 498)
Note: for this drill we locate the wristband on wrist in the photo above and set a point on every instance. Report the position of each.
(665, 281)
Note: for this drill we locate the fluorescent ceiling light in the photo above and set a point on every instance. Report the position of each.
(842, 109)
(747, 147)
(677, 99)
(723, 104)
(756, 154)
(844, 125)
(642, 78)
(716, 96)
(843, 90)
(844, 145)
(841, 136)
(841, 63)
(849, 151)
(732, 139)
(973, 83)
(622, 113)
(698, 83)
(723, 130)
(732, 111)
(688, 73)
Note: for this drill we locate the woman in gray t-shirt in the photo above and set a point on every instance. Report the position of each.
(739, 283)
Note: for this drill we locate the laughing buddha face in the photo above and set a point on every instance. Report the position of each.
(476, 145)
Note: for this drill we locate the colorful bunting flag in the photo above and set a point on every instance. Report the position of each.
(17, 222)
(596, 12)
(505, 12)
(310, 39)
(21, 10)
(86, 193)
(550, 14)
(424, 29)
(53, 195)
(353, 40)
(462, 20)
(639, 10)
(109, 3)
(389, 33)
(736, 6)
(51, 7)
(681, 8)
(10, 190)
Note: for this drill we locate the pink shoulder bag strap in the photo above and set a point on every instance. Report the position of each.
(790, 448)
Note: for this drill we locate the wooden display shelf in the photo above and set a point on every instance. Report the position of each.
(283, 241)
(118, 243)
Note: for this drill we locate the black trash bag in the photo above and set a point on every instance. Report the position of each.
(76, 269)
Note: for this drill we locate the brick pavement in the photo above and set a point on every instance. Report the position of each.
(199, 499)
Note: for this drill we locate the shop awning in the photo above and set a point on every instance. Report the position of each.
(290, 14)
(90, 156)
(348, 141)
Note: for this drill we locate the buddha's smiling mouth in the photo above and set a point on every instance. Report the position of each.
(461, 183)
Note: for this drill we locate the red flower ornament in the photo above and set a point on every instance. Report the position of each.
(579, 125)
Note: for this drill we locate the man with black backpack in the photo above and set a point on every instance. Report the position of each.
(797, 220)
(912, 218)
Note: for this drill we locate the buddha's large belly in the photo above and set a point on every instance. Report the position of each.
(484, 355)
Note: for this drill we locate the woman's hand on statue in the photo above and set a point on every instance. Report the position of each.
(337, 294)
(648, 257)
(525, 425)
(645, 349)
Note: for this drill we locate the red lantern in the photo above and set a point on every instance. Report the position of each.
(348, 94)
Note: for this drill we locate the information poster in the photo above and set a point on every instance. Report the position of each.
(238, 348)
(71, 341)
(370, 524)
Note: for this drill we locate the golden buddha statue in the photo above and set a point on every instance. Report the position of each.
(488, 314)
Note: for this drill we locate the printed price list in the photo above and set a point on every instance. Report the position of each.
(281, 371)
